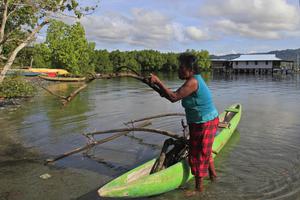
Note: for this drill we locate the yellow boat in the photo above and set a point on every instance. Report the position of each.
(47, 70)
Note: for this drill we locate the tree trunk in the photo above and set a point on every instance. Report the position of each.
(3, 24)
(18, 49)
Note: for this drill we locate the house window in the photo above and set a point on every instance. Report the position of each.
(236, 62)
(267, 62)
(256, 62)
(247, 62)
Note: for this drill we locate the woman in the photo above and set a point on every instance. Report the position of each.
(201, 115)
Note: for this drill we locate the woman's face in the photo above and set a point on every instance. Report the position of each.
(184, 72)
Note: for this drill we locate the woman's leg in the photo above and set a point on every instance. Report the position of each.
(199, 184)
(211, 170)
(200, 158)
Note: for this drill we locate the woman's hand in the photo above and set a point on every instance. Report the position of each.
(154, 79)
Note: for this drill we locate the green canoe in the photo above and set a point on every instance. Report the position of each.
(139, 182)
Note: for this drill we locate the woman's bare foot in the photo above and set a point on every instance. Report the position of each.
(190, 193)
(213, 178)
(212, 171)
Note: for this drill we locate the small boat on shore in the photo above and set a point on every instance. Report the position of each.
(22, 72)
(49, 71)
(63, 79)
(140, 182)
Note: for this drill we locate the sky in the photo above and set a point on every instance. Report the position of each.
(219, 26)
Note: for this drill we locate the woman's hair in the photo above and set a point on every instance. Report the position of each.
(190, 61)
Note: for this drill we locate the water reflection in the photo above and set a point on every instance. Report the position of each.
(261, 161)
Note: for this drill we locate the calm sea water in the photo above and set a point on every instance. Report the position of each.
(261, 161)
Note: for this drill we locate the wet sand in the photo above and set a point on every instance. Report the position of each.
(21, 168)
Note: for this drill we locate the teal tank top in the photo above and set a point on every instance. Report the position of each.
(199, 106)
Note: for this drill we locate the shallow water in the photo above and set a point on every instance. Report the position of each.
(261, 161)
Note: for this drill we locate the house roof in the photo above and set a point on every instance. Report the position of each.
(257, 57)
(219, 60)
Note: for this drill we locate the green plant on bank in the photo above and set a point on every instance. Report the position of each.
(16, 87)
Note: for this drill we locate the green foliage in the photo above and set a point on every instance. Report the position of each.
(171, 63)
(117, 58)
(25, 56)
(22, 19)
(150, 60)
(41, 56)
(131, 61)
(69, 48)
(102, 61)
(16, 87)
(145, 60)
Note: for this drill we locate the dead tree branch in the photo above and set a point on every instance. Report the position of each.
(154, 117)
(134, 75)
(165, 133)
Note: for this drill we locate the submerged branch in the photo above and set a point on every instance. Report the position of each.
(52, 93)
(65, 99)
(92, 144)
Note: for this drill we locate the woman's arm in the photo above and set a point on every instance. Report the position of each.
(190, 86)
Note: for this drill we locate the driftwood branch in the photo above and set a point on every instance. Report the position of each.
(92, 144)
(154, 117)
(65, 99)
(52, 93)
(165, 133)
(73, 94)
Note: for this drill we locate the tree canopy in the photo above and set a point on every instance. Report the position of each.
(66, 47)
(69, 48)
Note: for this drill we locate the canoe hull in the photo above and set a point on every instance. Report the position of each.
(138, 183)
(63, 79)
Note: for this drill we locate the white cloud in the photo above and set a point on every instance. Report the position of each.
(108, 28)
(143, 28)
(197, 34)
(264, 19)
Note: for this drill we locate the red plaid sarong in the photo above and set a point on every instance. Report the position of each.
(201, 140)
